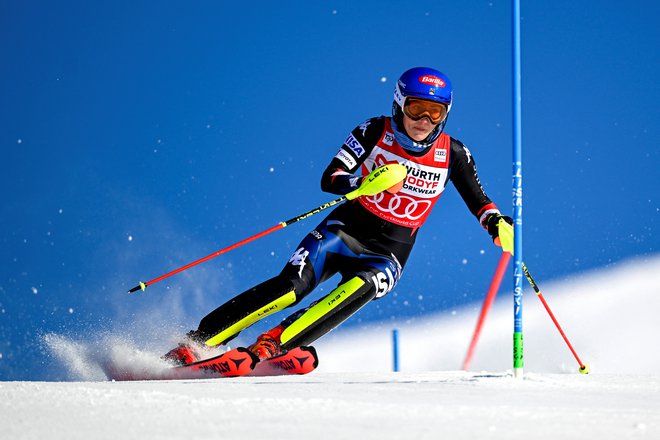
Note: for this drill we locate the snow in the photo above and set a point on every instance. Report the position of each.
(609, 316)
(455, 405)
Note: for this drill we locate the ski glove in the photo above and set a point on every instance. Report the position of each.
(379, 180)
(500, 227)
(395, 188)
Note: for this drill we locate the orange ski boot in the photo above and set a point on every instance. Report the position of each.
(181, 355)
(186, 352)
(268, 344)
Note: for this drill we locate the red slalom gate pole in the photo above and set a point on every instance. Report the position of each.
(488, 302)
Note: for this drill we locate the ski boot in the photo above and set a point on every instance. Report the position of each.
(186, 352)
(268, 344)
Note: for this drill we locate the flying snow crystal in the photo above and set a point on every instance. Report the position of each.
(34, 290)
(60, 211)
(271, 169)
(481, 252)
(0, 355)
(464, 261)
(130, 237)
(70, 310)
(383, 79)
(19, 141)
(334, 12)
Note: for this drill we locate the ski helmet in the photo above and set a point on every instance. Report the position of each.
(423, 83)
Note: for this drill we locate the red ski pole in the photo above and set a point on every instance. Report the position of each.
(485, 308)
(143, 286)
(377, 181)
(584, 369)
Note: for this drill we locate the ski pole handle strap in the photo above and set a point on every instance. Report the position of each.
(379, 180)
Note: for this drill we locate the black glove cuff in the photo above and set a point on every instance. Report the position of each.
(492, 221)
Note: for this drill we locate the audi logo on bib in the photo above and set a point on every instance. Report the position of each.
(401, 206)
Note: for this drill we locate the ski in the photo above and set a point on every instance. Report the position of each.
(233, 363)
(300, 360)
(237, 362)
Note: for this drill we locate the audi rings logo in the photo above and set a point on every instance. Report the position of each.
(401, 206)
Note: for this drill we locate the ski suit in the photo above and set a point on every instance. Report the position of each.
(367, 240)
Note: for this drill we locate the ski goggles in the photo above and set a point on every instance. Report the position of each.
(416, 109)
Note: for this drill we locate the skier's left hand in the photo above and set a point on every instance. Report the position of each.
(500, 227)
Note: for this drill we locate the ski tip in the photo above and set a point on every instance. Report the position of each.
(311, 350)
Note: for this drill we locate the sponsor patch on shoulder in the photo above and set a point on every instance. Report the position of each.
(440, 155)
(346, 159)
(354, 145)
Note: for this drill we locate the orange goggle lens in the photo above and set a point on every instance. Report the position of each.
(416, 109)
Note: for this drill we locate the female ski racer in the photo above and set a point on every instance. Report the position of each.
(367, 240)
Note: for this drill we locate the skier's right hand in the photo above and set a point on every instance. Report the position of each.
(379, 180)
(396, 187)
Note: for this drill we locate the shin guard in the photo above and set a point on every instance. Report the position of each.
(329, 312)
(225, 322)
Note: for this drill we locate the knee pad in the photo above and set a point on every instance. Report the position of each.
(225, 322)
(330, 311)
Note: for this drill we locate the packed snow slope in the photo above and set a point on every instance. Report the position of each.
(435, 405)
(609, 316)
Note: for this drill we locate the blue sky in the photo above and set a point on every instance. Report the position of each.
(139, 136)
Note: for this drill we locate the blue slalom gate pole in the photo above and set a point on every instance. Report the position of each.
(517, 197)
(395, 350)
